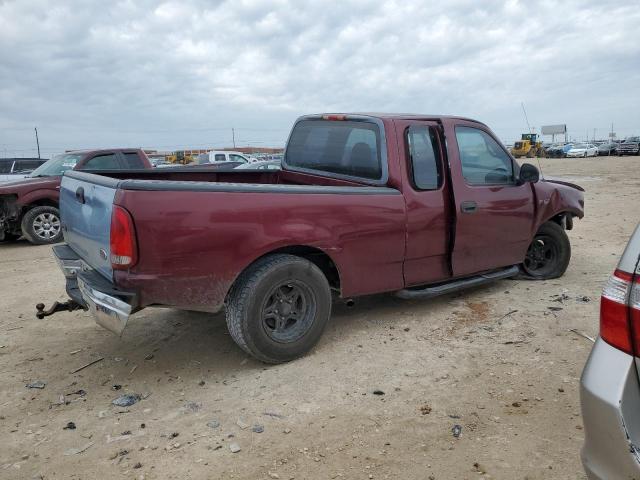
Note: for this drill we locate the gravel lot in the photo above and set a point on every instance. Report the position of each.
(497, 361)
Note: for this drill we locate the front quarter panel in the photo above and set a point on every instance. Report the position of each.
(553, 199)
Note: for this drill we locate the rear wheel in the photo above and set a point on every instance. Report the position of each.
(549, 253)
(278, 308)
(41, 225)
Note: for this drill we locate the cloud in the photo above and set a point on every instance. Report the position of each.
(183, 73)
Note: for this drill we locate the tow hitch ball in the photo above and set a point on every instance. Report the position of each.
(68, 306)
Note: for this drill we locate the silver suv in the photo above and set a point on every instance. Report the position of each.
(610, 390)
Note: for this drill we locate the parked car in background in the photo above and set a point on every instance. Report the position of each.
(608, 148)
(412, 204)
(583, 150)
(260, 165)
(17, 168)
(215, 156)
(630, 146)
(559, 150)
(29, 206)
(609, 387)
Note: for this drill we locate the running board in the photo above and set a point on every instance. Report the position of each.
(456, 285)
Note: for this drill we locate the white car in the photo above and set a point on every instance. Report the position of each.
(215, 156)
(583, 150)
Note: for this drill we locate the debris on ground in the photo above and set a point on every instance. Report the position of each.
(213, 423)
(378, 392)
(554, 309)
(116, 387)
(242, 424)
(456, 430)
(87, 365)
(149, 356)
(137, 465)
(234, 447)
(192, 407)
(583, 335)
(257, 429)
(583, 298)
(287, 430)
(37, 384)
(272, 414)
(126, 400)
(425, 409)
(69, 426)
(76, 451)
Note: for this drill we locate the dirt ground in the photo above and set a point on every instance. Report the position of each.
(497, 361)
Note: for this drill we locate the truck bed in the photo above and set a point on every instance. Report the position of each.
(197, 229)
(204, 174)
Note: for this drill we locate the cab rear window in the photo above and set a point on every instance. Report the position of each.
(350, 148)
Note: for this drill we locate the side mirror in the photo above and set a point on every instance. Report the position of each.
(528, 174)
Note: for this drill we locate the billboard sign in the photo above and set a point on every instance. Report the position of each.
(553, 129)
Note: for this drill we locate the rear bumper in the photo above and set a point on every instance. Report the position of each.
(610, 398)
(110, 306)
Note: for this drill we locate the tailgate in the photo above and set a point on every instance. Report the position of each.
(86, 201)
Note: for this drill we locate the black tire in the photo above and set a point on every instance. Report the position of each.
(255, 303)
(549, 254)
(41, 225)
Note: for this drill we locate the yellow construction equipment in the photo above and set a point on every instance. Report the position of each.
(528, 146)
(179, 157)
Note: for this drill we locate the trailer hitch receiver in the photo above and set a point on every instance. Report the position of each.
(68, 306)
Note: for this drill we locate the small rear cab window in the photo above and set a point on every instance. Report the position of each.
(345, 148)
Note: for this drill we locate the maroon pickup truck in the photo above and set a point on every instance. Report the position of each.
(418, 205)
(29, 206)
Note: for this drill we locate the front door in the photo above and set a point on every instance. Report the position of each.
(494, 213)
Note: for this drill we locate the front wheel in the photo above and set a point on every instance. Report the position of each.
(278, 308)
(41, 225)
(549, 253)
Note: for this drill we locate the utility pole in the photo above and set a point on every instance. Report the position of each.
(37, 141)
(233, 135)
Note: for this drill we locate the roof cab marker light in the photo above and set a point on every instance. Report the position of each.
(334, 117)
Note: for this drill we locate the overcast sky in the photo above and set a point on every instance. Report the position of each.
(182, 74)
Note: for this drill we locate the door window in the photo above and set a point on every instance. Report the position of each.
(26, 165)
(220, 157)
(423, 157)
(5, 167)
(483, 160)
(102, 162)
(237, 158)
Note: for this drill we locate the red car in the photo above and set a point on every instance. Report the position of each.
(29, 206)
(419, 205)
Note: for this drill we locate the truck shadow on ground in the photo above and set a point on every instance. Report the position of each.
(197, 344)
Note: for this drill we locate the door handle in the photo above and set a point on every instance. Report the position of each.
(80, 195)
(469, 207)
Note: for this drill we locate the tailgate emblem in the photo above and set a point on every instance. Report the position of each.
(103, 254)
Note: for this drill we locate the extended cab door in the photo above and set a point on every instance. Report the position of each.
(427, 197)
(494, 214)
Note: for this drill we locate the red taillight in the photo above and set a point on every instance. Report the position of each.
(620, 312)
(124, 250)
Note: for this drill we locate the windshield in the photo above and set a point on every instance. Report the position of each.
(57, 165)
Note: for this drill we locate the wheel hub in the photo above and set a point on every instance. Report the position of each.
(288, 311)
